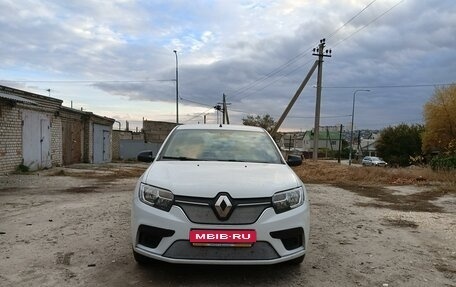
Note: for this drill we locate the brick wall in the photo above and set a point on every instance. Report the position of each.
(156, 132)
(88, 141)
(10, 137)
(116, 137)
(56, 141)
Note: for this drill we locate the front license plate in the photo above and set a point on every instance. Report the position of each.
(218, 236)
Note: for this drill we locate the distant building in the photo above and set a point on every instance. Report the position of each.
(367, 146)
(155, 131)
(127, 144)
(328, 140)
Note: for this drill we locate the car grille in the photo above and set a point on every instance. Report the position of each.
(201, 210)
(183, 249)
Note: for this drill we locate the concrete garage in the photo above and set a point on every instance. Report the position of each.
(30, 130)
(101, 135)
(36, 140)
(86, 137)
(72, 135)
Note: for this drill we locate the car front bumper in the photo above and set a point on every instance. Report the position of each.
(276, 237)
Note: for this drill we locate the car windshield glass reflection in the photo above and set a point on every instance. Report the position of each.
(221, 145)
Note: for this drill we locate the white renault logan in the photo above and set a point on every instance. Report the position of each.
(220, 195)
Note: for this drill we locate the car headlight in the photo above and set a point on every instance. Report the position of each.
(289, 199)
(156, 197)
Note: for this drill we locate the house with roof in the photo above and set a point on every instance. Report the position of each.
(303, 142)
(367, 145)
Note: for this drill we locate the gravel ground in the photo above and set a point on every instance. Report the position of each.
(70, 227)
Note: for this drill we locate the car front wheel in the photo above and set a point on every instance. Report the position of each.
(298, 260)
(141, 259)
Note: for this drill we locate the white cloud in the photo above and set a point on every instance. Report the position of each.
(231, 47)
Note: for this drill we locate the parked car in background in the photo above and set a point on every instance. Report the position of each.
(220, 195)
(145, 156)
(373, 161)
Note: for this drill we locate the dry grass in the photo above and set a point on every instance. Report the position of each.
(334, 173)
(371, 182)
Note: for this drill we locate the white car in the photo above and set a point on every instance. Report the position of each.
(373, 161)
(220, 195)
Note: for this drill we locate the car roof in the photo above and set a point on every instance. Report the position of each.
(219, 127)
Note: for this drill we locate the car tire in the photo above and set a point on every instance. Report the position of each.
(141, 259)
(297, 260)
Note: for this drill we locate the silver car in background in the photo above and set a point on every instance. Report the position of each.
(373, 161)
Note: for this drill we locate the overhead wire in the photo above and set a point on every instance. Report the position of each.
(195, 102)
(87, 81)
(366, 25)
(198, 115)
(257, 82)
(388, 86)
(291, 61)
(351, 19)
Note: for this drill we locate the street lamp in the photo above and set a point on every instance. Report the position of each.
(351, 131)
(177, 90)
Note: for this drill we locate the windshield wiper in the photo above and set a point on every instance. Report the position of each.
(179, 158)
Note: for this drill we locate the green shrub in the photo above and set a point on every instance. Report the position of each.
(443, 163)
(22, 168)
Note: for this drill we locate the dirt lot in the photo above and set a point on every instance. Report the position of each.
(70, 227)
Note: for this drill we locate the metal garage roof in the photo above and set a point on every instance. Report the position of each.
(16, 98)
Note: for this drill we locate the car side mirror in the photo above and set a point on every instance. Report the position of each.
(146, 156)
(294, 160)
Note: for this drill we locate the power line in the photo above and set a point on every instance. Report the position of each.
(86, 81)
(388, 86)
(199, 115)
(351, 19)
(323, 117)
(366, 25)
(195, 102)
(294, 117)
(282, 67)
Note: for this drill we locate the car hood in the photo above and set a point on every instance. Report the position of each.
(207, 179)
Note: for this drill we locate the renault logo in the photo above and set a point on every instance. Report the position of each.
(223, 206)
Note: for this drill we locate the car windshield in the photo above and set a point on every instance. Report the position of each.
(376, 158)
(221, 145)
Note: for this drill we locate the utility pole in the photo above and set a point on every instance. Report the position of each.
(224, 108)
(340, 143)
(226, 119)
(177, 90)
(295, 97)
(320, 52)
(352, 121)
(218, 108)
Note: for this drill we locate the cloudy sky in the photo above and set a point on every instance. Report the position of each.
(115, 58)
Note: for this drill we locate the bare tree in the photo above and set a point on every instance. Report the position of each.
(266, 122)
